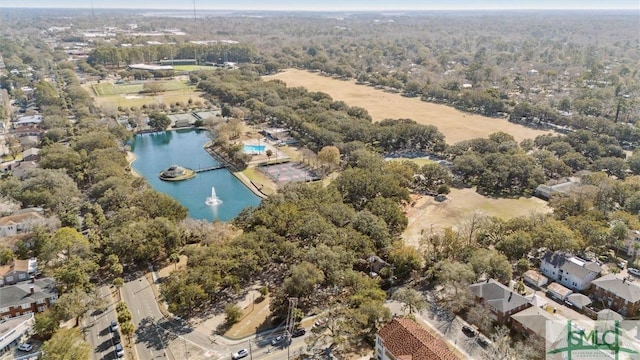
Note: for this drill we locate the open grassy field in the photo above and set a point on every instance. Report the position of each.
(454, 124)
(167, 97)
(193, 68)
(429, 215)
(107, 89)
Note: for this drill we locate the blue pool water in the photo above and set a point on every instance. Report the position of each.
(254, 149)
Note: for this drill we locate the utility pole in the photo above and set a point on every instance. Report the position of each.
(250, 351)
(291, 322)
(194, 10)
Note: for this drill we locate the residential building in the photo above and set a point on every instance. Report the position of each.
(404, 339)
(579, 301)
(569, 271)
(19, 223)
(616, 293)
(29, 120)
(21, 169)
(535, 279)
(558, 292)
(19, 270)
(31, 154)
(501, 301)
(28, 297)
(532, 322)
(13, 330)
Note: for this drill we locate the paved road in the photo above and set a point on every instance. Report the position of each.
(96, 328)
(149, 340)
(157, 337)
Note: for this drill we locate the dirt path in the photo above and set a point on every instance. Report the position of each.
(454, 124)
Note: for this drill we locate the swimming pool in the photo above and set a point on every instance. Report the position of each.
(254, 149)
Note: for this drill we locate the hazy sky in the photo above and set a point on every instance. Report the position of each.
(328, 4)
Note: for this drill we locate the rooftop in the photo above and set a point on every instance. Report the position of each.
(621, 287)
(571, 264)
(19, 294)
(498, 296)
(405, 338)
(534, 319)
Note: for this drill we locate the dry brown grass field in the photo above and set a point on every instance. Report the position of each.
(454, 124)
(428, 215)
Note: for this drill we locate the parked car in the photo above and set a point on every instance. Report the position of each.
(119, 351)
(277, 340)
(469, 331)
(240, 354)
(298, 332)
(25, 347)
(116, 337)
(483, 341)
(633, 271)
(114, 326)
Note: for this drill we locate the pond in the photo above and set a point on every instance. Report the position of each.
(156, 152)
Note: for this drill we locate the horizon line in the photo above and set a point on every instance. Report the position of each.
(324, 10)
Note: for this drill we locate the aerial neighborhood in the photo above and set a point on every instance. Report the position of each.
(365, 183)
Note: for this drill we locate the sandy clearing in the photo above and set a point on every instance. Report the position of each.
(454, 124)
(428, 215)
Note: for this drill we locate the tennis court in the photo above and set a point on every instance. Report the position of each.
(289, 172)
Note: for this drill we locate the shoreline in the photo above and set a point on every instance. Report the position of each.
(237, 174)
(131, 157)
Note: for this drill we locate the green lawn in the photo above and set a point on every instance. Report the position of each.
(107, 89)
(193, 68)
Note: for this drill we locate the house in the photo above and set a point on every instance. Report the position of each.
(632, 243)
(21, 169)
(569, 271)
(532, 322)
(13, 330)
(29, 297)
(29, 120)
(404, 339)
(579, 301)
(499, 299)
(19, 223)
(535, 279)
(28, 130)
(19, 270)
(558, 292)
(618, 294)
(32, 154)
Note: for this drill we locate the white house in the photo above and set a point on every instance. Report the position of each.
(569, 271)
(18, 223)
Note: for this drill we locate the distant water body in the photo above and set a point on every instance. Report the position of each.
(157, 151)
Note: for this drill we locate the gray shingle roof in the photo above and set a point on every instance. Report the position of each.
(579, 300)
(534, 319)
(562, 260)
(498, 296)
(624, 289)
(18, 294)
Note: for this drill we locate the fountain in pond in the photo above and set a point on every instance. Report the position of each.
(213, 200)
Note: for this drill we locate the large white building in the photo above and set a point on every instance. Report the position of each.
(569, 271)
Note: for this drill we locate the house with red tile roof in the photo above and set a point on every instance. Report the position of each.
(404, 339)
